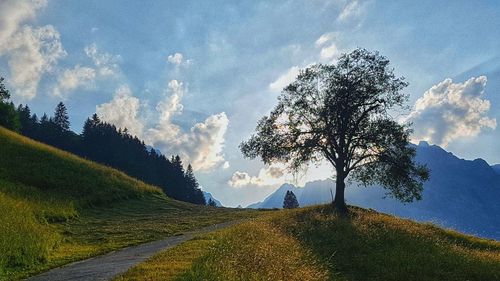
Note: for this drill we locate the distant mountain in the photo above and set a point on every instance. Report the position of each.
(313, 193)
(209, 196)
(461, 194)
(496, 168)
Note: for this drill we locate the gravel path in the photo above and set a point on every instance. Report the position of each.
(110, 265)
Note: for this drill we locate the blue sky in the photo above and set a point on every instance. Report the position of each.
(193, 77)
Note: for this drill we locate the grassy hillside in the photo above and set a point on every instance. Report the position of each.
(314, 244)
(56, 208)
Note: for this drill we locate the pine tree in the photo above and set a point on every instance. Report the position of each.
(28, 123)
(4, 93)
(61, 118)
(190, 178)
(44, 119)
(9, 118)
(290, 201)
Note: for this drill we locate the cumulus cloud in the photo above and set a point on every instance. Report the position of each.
(123, 111)
(71, 79)
(175, 59)
(329, 49)
(329, 52)
(201, 145)
(204, 142)
(105, 63)
(285, 79)
(267, 176)
(450, 111)
(15, 12)
(178, 60)
(31, 51)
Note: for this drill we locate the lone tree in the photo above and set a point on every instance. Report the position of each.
(342, 113)
(290, 201)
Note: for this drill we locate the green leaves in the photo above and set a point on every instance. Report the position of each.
(340, 113)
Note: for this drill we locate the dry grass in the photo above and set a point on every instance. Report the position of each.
(57, 208)
(315, 244)
(254, 250)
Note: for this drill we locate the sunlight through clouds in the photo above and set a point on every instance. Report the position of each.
(450, 111)
(202, 145)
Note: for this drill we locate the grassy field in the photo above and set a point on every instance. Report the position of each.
(315, 244)
(56, 208)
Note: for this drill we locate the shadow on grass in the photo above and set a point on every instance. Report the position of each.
(366, 245)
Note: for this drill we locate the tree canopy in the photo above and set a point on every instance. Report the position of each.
(342, 113)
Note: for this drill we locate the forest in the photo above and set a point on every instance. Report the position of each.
(106, 144)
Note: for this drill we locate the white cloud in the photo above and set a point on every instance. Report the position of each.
(268, 176)
(329, 52)
(31, 51)
(123, 111)
(173, 104)
(71, 79)
(329, 49)
(450, 111)
(325, 38)
(15, 12)
(205, 142)
(106, 63)
(178, 60)
(175, 59)
(352, 9)
(285, 79)
(201, 145)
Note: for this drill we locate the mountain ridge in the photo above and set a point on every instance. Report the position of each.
(461, 194)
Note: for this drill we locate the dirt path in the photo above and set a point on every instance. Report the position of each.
(109, 265)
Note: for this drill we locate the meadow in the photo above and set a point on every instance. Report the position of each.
(316, 244)
(57, 208)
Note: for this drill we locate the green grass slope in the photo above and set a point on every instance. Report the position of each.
(315, 244)
(56, 208)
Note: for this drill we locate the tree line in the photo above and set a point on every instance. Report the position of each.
(106, 144)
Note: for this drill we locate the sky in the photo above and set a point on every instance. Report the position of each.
(194, 77)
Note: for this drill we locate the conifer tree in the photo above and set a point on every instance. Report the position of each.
(290, 201)
(28, 122)
(61, 118)
(8, 114)
(4, 93)
(190, 178)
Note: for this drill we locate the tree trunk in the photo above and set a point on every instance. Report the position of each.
(339, 201)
